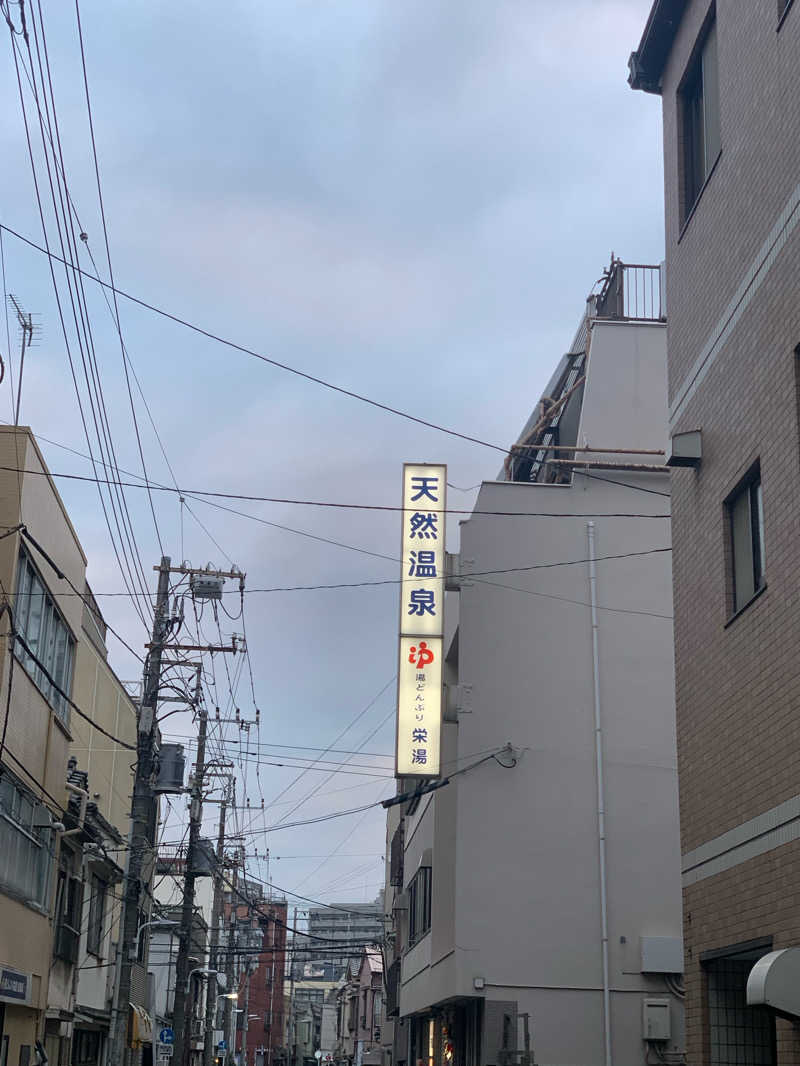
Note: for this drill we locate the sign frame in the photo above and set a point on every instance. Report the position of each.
(423, 557)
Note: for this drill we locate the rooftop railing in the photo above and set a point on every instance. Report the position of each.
(632, 292)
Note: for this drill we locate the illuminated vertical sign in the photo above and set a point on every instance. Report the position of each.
(419, 688)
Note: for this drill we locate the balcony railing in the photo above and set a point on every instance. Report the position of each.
(632, 292)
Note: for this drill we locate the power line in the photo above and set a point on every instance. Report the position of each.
(477, 576)
(75, 592)
(266, 359)
(306, 747)
(353, 810)
(334, 504)
(76, 300)
(622, 484)
(81, 714)
(110, 269)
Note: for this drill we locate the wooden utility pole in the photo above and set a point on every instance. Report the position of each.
(204, 584)
(143, 822)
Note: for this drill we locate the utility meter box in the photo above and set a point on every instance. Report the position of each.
(171, 767)
(656, 1021)
(662, 954)
(206, 586)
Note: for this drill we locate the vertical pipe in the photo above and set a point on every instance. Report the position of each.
(601, 813)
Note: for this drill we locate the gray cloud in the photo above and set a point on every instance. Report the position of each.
(411, 199)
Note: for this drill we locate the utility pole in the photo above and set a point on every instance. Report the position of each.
(180, 1016)
(143, 820)
(204, 585)
(216, 913)
(292, 1024)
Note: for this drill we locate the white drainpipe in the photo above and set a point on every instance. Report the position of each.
(84, 798)
(601, 811)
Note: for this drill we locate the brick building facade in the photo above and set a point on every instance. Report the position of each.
(727, 73)
(258, 974)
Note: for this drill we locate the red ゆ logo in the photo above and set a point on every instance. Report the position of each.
(420, 656)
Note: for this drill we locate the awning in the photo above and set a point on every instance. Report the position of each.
(141, 1027)
(774, 982)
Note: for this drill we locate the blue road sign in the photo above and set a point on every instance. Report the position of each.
(166, 1036)
(223, 1045)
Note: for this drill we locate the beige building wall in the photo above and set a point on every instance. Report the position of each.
(36, 740)
(38, 744)
(100, 693)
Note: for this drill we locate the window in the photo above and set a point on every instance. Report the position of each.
(39, 621)
(419, 904)
(746, 521)
(97, 909)
(69, 900)
(737, 1033)
(698, 100)
(85, 1048)
(24, 843)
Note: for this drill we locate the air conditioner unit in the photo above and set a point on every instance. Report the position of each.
(400, 902)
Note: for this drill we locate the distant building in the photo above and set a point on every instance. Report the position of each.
(360, 1012)
(164, 945)
(254, 938)
(353, 925)
(727, 75)
(538, 892)
(329, 1028)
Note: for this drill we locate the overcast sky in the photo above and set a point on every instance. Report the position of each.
(409, 198)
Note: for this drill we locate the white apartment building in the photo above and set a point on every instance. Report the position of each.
(536, 898)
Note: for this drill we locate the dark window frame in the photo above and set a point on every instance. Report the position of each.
(53, 644)
(28, 875)
(419, 904)
(745, 534)
(68, 910)
(97, 910)
(699, 142)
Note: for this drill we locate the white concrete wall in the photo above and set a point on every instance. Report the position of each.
(516, 894)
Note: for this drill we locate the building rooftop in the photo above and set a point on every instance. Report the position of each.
(646, 64)
(544, 450)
